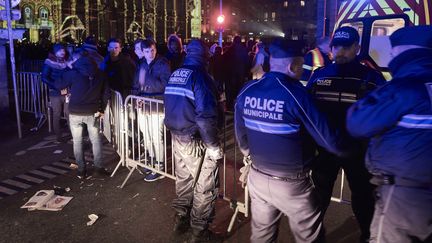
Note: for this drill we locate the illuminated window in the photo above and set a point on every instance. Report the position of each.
(285, 4)
(43, 13)
(302, 3)
(273, 16)
(265, 15)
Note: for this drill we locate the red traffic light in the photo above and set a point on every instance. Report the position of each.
(220, 19)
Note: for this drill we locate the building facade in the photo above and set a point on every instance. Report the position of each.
(254, 19)
(73, 20)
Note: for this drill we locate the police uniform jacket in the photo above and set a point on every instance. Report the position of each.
(273, 119)
(314, 59)
(337, 86)
(191, 102)
(398, 119)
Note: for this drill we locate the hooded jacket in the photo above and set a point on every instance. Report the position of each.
(191, 102)
(51, 73)
(93, 52)
(174, 57)
(89, 92)
(398, 119)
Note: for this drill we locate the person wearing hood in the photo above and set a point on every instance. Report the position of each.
(89, 97)
(175, 54)
(191, 114)
(119, 68)
(237, 67)
(335, 88)
(52, 70)
(397, 118)
(90, 45)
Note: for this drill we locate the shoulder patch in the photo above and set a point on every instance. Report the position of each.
(180, 76)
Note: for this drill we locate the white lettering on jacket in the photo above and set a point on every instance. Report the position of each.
(267, 108)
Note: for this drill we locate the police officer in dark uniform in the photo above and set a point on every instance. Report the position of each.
(275, 121)
(335, 88)
(398, 119)
(191, 114)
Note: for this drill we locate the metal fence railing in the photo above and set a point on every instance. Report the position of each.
(33, 97)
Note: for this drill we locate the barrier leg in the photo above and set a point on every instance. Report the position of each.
(117, 167)
(240, 207)
(127, 177)
(231, 224)
(50, 123)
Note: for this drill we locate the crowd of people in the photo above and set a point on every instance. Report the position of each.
(294, 138)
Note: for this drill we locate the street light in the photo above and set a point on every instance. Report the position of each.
(220, 19)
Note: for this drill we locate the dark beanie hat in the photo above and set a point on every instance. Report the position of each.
(415, 35)
(284, 48)
(58, 47)
(196, 47)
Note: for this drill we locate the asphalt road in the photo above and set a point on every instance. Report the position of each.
(140, 212)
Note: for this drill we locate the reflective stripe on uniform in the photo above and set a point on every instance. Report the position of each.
(416, 121)
(336, 96)
(307, 67)
(318, 60)
(180, 92)
(272, 128)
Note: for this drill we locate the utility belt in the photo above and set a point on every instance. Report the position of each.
(381, 179)
(289, 177)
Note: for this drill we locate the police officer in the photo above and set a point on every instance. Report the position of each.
(398, 119)
(316, 58)
(273, 117)
(335, 88)
(191, 114)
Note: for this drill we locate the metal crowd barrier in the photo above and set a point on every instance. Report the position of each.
(145, 140)
(28, 65)
(33, 97)
(113, 126)
(145, 137)
(232, 191)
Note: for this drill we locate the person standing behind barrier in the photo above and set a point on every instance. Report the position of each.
(191, 114)
(153, 71)
(175, 54)
(316, 58)
(150, 80)
(273, 119)
(52, 70)
(335, 88)
(119, 68)
(397, 118)
(237, 66)
(89, 96)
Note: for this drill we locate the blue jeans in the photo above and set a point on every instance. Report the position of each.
(77, 125)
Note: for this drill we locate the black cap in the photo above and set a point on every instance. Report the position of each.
(345, 36)
(415, 35)
(284, 48)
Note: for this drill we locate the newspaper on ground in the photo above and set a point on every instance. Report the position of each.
(46, 200)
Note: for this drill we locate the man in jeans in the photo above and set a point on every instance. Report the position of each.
(89, 96)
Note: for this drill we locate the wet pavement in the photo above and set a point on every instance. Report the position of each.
(140, 212)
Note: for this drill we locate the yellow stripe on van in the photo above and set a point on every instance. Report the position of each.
(426, 13)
